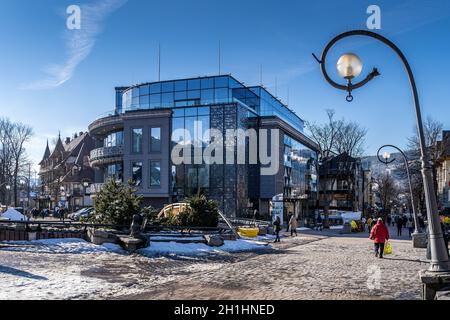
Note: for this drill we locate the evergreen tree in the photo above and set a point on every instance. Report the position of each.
(116, 203)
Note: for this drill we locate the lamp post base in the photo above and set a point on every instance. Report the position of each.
(419, 239)
(434, 282)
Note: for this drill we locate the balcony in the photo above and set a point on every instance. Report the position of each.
(107, 123)
(106, 155)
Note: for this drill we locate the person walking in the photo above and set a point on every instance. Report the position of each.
(277, 225)
(369, 224)
(288, 220)
(410, 226)
(319, 222)
(379, 235)
(293, 224)
(399, 226)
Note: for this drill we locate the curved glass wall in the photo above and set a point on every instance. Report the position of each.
(114, 139)
(207, 91)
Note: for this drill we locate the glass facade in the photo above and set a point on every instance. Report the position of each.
(299, 169)
(114, 139)
(189, 178)
(207, 91)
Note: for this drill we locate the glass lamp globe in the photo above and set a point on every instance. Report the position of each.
(349, 66)
(386, 155)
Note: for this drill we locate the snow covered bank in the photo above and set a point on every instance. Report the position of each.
(192, 249)
(59, 246)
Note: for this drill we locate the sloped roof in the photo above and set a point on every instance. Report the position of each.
(59, 148)
(46, 154)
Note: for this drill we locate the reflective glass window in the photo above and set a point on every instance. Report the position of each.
(179, 112)
(194, 84)
(144, 90)
(136, 140)
(181, 95)
(221, 95)
(155, 173)
(181, 85)
(136, 172)
(207, 96)
(194, 94)
(167, 86)
(167, 100)
(177, 130)
(208, 83)
(155, 88)
(221, 82)
(135, 92)
(203, 111)
(155, 140)
(155, 100)
(190, 112)
(144, 100)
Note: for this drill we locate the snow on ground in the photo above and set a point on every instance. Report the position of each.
(189, 249)
(59, 246)
(13, 215)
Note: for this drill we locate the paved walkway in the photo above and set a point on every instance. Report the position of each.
(306, 267)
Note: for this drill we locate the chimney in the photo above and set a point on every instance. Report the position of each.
(67, 140)
(81, 133)
(75, 135)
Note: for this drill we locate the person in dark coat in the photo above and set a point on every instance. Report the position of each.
(277, 226)
(399, 226)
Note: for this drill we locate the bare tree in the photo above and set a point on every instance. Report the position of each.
(388, 192)
(335, 137)
(435, 148)
(13, 136)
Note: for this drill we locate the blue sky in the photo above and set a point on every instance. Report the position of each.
(54, 84)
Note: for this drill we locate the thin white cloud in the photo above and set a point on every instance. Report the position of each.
(78, 43)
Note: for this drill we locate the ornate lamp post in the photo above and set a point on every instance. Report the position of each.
(386, 159)
(349, 67)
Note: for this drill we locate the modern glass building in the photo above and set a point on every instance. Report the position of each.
(135, 142)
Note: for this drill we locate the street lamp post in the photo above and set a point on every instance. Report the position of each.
(349, 67)
(387, 160)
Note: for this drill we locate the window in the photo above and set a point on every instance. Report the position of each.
(155, 141)
(136, 172)
(136, 140)
(194, 84)
(155, 173)
(221, 82)
(181, 85)
(167, 87)
(144, 90)
(221, 95)
(208, 83)
(155, 88)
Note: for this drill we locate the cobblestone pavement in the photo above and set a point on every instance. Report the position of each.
(328, 268)
(307, 267)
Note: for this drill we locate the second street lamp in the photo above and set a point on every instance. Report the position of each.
(439, 254)
(419, 238)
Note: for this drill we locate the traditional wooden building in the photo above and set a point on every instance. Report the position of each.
(65, 173)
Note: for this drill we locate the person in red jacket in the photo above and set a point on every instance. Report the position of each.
(379, 235)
